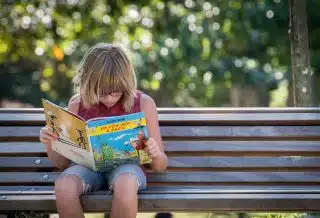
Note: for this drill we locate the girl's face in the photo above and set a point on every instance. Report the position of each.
(111, 99)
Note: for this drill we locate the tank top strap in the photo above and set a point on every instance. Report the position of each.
(137, 107)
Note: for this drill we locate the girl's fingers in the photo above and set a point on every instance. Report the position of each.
(48, 137)
(48, 131)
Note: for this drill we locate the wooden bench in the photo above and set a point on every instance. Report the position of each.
(253, 159)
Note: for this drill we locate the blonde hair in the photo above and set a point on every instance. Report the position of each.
(105, 69)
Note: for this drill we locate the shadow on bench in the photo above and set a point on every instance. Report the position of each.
(256, 159)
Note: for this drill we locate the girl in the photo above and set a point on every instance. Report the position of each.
(107, 83)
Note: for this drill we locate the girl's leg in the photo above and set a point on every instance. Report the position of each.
(68, 190)
(125, 181)
(72, 183)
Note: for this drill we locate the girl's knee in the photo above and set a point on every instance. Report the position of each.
(125, 186)
(69, 186)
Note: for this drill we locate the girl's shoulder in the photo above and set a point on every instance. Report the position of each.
(74, 103)
(147, 103)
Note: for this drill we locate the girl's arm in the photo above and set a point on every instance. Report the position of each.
(154, 144)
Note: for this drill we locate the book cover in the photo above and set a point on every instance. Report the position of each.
(101, 143)
(72, 140)
(118, 140)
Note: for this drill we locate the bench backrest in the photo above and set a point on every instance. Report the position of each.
(236, 147)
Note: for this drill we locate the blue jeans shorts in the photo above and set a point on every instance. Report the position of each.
(93, 181)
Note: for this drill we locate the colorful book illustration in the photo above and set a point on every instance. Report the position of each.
(100, 144)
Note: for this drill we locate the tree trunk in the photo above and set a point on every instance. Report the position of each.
(302, 87)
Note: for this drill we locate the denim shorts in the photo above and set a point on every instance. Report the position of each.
(93, 181)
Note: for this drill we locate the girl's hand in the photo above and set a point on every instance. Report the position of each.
(153, 148)
(47, 136)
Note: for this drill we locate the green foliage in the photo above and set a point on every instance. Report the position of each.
(107, 152)
(186, 53)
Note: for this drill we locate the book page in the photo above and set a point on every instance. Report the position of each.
(71, 128)
(118, 140)
(75, 154)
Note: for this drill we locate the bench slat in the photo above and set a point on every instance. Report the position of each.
(23, 148)
(197, 110)
(189, 162)
(28, 177)
(254, 132)
(235, 177)
(18, 148)
(25, 162)
(243, 162)
(172, 146)
(177, 119)
(177, 202)
(241, 146)
(16, 190)
(188, 177)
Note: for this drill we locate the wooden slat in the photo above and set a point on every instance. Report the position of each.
(241, 146)
(252, 132)
(295, 177)
(25, 162)
(21, 148)
(187, 177)
(192, 189)
(232, 110)
(188, 162)
(192, 119)
(18, 148)
(243, 162)
(198, 110)
(177, 202)
(26, 177)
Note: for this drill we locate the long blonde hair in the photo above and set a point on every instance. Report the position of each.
(105, 69)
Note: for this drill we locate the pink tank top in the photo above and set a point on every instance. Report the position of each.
(101, 110)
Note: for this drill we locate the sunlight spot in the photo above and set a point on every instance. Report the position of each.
(270, 14)
(199, 30)
(278, 75)
(164, 51)
(136, 45)
(304, 89)
(251, 64)
(218, 43)
(192, 27)
(238, 63)
(106, 19)
(216, 11)
(30, 8)
(39, 51)
(158, 75)
(193, 70)
(191, 18)
(189, 3)
(206, 6)
(305, 71)
(215, 26)
(39, 13)
(169, 42)
(267, 68)
(147, 22)
(207, 78)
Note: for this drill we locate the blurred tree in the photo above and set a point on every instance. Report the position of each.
(303, 78)
(186, 53)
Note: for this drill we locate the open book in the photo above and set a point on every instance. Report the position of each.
(101, 143)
